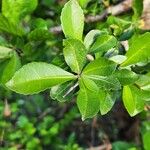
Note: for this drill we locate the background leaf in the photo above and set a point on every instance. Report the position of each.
(5, 52)
(14, 10)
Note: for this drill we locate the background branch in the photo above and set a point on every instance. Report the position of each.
(114, 10)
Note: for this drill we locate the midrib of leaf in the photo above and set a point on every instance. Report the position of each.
(96, 68)
(78, 67)
(46, 78)
(134, 55)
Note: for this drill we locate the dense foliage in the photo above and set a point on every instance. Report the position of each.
(96, 65)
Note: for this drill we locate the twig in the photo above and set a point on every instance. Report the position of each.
(114, 10)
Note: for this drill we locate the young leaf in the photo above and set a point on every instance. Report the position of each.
(103, 43)
(133, 100)
(126, 77)
(75, 54)
(87, 100)
(72, 20)
(139, 51)
(9, 67)
(101, 67)
(36, 77)
(5, 52)
(63, 92)
(14, 10)
(107, 101)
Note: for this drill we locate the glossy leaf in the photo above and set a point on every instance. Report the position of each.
(75, 54)
(87, 100)
(5, 52)
(36, 77)
(118, 59)
(139, 50)
(90, 38)
(101, 67)
(9, 67)
(103, 43)
(105, 82)
(107, 101)
(72, 20)
(133, 100)
(126, 77)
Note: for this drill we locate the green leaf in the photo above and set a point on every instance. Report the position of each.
(36, 77)
(39, 35)
(121, 23)
(137, 6)
(63, 92)
(8, 27)
(101, 67)
(133, 100)
(5, 52)
(107, 100)
(103, 43)
(146, 140)
(90, 38)
(144, 82)
(83, 3)
(105, 82)
(139, 50)
(87, 100)
(75, 54)
(118, 59)
(9, 67)
(72, 20)
(14, 10)
(121, 145)
(126, 77)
